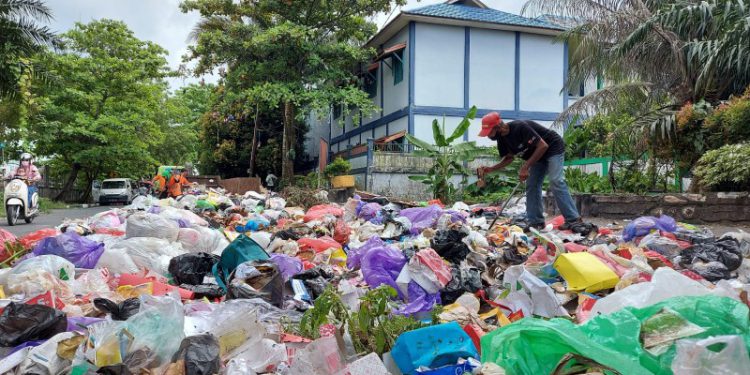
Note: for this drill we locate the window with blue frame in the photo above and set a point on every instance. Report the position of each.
(397, 61)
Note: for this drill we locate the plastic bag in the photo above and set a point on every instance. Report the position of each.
(449, 244)
(645, 224)
(147, 253)
(117, 261)
(419, 300)
(447, 344)
(429, 270)
(369, 211)
(380, 263)
(81, 251)
(321, 210)
(41, 274)
(147, 339)
(182, 216)
(192, 268)
(241, 250)
(725, 251)
(233, 322)
(202, 240)
(665, 283)
(315, 279)
(197, 355)
(106, 219)
(20, 323)
(6, 236)
(537, 298)
(462, 280)
(29, 240)
(318, 244)
(118, 311)
(341, 232)
(143, 224)
(260, 355)
(422, 217)
(288, 266)
(320, 357)
(44, 359)
(695, 358)
(258, 279)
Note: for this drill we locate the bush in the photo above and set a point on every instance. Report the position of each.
(339, 167)
(581, 182)
(724, 169)
(729, 122)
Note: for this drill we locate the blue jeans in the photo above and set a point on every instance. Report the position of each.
(553, 168)
(32, 190)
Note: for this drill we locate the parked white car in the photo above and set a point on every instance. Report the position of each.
(117, 190)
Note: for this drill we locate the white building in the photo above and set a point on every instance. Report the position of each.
(439, 60)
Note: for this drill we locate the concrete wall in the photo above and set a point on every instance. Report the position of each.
(318, 129)
(541, 73)
(396, 97)
(492, 68)
(439, 65)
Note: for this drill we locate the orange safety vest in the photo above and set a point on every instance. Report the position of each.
(175, 185)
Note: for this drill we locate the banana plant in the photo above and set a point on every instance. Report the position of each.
(450, 159)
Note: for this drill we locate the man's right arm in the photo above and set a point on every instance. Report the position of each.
(507, 159)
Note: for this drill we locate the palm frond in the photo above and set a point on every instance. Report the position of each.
(19, 8)
(605, 100)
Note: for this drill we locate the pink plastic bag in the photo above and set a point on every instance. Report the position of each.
(317, 212)
(318, 244)
(429, 270)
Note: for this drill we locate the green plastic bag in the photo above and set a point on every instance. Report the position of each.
(241, 250)
(203, 204)
(535, 346)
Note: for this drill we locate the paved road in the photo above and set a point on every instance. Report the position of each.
(51, 219)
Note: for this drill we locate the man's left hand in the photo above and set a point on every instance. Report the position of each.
(523, 174)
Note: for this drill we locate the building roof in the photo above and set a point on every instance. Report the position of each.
(477, 14)
(471, 13)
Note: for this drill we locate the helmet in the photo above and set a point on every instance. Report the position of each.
(25, 156)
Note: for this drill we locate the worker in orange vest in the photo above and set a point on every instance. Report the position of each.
(176, 182)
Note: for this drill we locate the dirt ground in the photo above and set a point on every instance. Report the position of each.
(716, 229)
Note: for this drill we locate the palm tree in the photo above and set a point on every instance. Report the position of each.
(20, 37)
(663, 53)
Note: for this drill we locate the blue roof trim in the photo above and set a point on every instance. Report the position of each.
(468, 13)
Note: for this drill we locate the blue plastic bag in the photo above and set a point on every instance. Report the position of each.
(645, 224)
(432, 347)
(81, 251)
(241, 250)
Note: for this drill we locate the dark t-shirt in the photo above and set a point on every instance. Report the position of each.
(523, 138)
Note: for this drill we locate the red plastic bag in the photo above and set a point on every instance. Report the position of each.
(28, 241)
(318, 244)
(317, 212)
(109, 231)
(341, 232)
(437, 202)
(6, 236)
(48, 299)
(556, 221)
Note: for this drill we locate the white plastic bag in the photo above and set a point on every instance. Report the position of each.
(693, 356)
(143, 202)
(202, 240)
(41, 274)
(320, 357)
(260, 355)
(143, 224)
(178, 215)
(276, 203)
(116, 261)
(542, 298)
(43, 359)
(106, 219)
(150, 253)
(665, 283)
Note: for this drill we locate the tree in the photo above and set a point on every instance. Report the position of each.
(661, 53)
(298, 56)
(102, 113)
(449, 159)
(20, 37)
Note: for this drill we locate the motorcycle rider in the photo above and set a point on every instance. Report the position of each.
(28, 171)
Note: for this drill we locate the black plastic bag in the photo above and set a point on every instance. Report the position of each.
(316, 280)
(512, 256)
(711, 271)
(286, 234)
(464, 280)
(725, 251)
(121, 311)
(448, 245)
(584, 229)
(192, 268)
(210, 291)
(201, 355)
(20, 323)
(268, 284)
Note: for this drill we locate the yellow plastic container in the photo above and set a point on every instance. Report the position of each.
(584, 271)
(341, 182)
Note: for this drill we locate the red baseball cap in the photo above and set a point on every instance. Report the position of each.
(489, 121)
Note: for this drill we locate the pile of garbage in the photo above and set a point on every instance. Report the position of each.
(216, 283)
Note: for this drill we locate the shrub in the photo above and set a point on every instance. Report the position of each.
(338, 167)
(724, 169)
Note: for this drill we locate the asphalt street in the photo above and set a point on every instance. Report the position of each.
(50, 220)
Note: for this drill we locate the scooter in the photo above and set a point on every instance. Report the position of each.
(16, 201)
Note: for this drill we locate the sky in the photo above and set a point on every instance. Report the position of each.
(162, 22)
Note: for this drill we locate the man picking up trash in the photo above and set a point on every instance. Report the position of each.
(544, 153)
